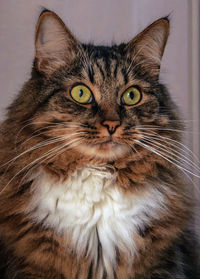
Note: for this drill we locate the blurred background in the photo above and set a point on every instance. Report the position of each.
(105, 22)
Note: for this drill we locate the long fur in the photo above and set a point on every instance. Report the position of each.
(80, 202)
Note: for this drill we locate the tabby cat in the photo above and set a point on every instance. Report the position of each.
(91, 178)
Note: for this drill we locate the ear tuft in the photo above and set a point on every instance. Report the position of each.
(147, 48)
(55, 46)
(44, 11)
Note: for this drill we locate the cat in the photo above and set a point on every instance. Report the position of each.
(92, 184)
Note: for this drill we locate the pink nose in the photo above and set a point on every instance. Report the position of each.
(111, 125)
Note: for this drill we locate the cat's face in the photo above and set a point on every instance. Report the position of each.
(96, 100)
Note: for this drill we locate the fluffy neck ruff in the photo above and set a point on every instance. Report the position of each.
(94, 210)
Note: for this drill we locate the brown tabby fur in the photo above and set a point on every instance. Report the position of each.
(31, 250)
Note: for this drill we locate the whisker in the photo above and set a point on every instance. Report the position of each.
(36, 160)
(152, 149)
(173, 147)
(42, 144)
(172, 152)
(54, 153)
(152, 128)
(66, 124)
(176, 143)
(135, 150)
(57, 129)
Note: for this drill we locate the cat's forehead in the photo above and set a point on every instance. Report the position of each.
(102, 51)
(105, 60)
(108, 68)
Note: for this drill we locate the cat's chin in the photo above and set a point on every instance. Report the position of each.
(106, 151)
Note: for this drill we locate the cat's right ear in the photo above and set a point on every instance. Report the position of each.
(147, 48)
(55, 46)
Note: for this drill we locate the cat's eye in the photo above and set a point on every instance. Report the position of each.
(81, 94)
(131, 96)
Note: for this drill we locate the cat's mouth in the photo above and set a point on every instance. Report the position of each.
(107, 149)
(108, 143)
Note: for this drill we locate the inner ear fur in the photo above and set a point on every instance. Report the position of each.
(55, 46)
(147, 48)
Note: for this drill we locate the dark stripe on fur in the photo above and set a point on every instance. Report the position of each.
(116, 68)
(46, 100)
(125, 76)
(24, 233)
(105, 275)
(90, 271)
(107, 62)
(91, 74)
(9, 218)
(23, 189)
(99, 247)
(100, 70)
(45, 240)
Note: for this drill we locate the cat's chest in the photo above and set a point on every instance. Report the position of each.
(92, 208)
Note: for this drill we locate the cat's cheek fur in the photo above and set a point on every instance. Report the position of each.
(91, 208)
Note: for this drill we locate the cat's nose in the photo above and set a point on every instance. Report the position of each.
(111, 125)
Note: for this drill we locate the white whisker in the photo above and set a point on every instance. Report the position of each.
(172, 152)
(42, 144)
(53, 153)
(182, 147)
(36, 160)
(66, 124)
(154, 128)
(152, 149)
(67, 129)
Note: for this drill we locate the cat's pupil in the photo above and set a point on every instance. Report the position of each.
(80, 93)
(131, 95)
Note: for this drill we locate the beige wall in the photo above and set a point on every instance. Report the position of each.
(92, 20)
(102, 22)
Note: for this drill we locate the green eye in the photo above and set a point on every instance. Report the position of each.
(131, 96)
(81, 94)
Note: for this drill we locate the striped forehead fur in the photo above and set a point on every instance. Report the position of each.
(107, 62)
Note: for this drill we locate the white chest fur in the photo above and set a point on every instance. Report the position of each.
(92, 208)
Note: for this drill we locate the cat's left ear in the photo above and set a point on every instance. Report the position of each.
(55, 46)
(146, 49)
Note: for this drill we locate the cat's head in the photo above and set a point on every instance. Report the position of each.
(99, 101)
